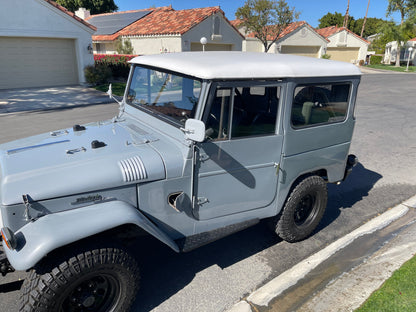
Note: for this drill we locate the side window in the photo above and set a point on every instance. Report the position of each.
(319, 104)
(254, 112)
(218, 119)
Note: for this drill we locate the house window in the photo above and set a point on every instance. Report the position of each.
(100, 48)
(320, 104)
(217, 24)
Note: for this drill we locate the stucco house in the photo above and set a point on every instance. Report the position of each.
(42, 44)
(344, 45)
(390, 53)
(164, 30)
(297, 38)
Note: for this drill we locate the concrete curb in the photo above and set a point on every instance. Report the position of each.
(275, 287)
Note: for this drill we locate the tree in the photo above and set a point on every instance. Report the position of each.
(372, 26)
(266, 19)
(95, 6)
(335, 19)
(405, 7)
(405, 31)
(124, 46)
(365, 19)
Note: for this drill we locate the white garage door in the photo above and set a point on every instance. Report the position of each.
(37, 62)
(311, 51)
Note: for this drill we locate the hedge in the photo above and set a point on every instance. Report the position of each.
(118, 63)
(375, 59)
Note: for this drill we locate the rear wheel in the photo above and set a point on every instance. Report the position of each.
(104, 279)
(303, 210)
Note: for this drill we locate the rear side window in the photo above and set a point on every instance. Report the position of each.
(320, 104)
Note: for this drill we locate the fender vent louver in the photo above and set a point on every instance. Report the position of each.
(132, 169)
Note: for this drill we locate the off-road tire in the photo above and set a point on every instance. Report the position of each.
(102, 279)
(303, 210)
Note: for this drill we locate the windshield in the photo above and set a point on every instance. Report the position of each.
(167, 95)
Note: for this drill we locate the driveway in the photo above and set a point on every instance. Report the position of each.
(33, 99)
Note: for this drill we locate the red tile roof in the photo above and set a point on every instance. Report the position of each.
(59, 7)
(289, 29)
(331, 30)
(414, 39)
(169, 22)
(236, 23)
(163, 21)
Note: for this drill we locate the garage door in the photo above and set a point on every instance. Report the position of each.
(343, 54)
(37, 62)
(211, 47)
(311, 51)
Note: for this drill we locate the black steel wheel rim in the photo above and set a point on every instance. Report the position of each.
(305, 210)
(95, 292)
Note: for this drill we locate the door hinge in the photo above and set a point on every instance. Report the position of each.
(202, 200)
(203, 157)
(277, 166)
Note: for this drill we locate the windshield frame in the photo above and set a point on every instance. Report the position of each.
(147, 108)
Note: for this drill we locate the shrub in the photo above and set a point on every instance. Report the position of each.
(118, 63)
(97, 74)
(375, 59)
(326, 56)
(124, 46)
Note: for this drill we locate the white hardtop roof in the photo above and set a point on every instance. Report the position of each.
(243, 65)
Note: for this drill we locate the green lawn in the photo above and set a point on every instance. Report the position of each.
(398, 293)
(117, 88)
(392, 67)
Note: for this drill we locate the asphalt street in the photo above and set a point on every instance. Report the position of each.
(215, 277)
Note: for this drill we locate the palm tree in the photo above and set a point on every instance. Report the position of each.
(346, 16)
(404, 7)
(365, 19)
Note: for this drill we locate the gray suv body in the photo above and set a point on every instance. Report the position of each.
(204, 144)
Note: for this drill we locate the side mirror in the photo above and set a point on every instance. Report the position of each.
(194, 130)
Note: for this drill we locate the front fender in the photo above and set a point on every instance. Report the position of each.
(36, 239)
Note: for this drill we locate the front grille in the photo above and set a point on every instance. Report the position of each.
(132, 169)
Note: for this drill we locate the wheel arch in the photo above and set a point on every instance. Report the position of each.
(39, 238)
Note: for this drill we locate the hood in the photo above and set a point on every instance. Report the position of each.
(72, 161)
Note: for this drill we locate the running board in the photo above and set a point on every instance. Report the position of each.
(194, 241)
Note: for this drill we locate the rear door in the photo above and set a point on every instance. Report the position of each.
(236, 168)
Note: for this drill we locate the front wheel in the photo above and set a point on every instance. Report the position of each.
(98, 280)
(303, 210)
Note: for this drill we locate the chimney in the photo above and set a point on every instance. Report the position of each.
(82, 13)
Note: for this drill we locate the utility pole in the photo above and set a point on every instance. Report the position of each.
(345, 25)
(365, 18)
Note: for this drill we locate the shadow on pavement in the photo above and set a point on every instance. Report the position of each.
(12, 286)
(356, 187)
(165, 272)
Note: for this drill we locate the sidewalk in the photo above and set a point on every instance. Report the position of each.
(351, 288)
(32, 99)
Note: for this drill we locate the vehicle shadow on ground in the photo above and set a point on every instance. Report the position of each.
(356, 187)
(12, 286)
(165, 272)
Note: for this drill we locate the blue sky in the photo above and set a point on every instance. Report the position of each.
(310, 10)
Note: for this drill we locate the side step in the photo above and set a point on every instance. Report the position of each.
(192, 242)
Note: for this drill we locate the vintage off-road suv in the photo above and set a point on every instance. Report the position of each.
(204, 145)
